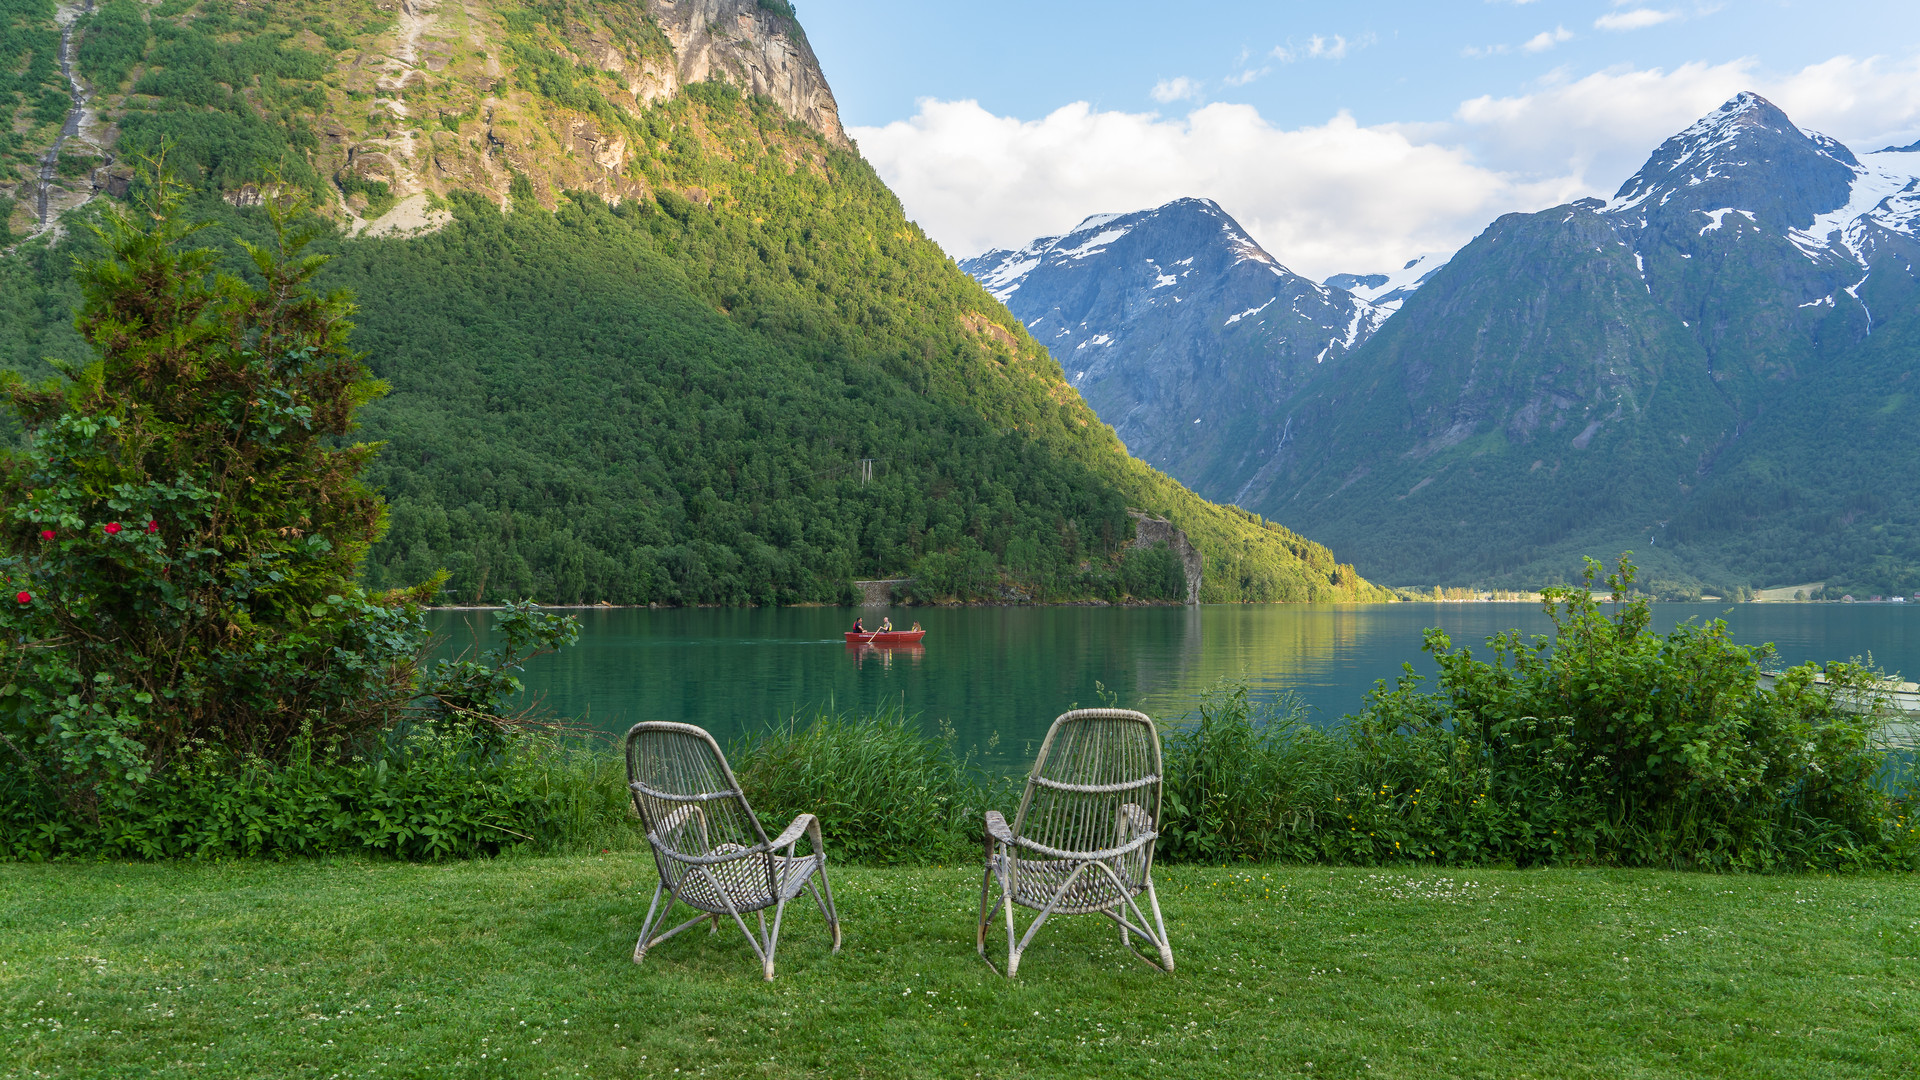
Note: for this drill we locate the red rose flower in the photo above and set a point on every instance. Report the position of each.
(153, 526)
(112, 527)
(25, 597)
(46, 534)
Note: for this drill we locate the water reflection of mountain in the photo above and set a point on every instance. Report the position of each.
(1274, 656)
(1009, 671)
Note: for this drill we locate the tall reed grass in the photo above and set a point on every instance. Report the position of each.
(885, 790)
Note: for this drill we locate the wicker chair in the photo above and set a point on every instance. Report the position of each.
(1083, 838)
(709, 847)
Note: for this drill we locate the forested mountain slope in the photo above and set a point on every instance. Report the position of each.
(1713, 370)
(655, 331)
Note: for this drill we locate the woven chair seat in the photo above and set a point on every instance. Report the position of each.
(745, 881)
(1036, 883)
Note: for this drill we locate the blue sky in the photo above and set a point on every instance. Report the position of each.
(1345, 136)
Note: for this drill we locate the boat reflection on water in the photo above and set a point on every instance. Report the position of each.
(863, 652)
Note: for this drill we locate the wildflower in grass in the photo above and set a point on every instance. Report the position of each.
(112, 527)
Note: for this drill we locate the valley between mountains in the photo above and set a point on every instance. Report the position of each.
(1712, 369)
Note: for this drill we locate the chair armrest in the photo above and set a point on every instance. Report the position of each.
(805, 823)
(997, 827)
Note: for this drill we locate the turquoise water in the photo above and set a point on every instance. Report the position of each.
(1009, 671)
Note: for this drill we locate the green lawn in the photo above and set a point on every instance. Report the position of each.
(520, 968)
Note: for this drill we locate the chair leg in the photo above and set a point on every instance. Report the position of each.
(1013, 962)
(1160, 928)
(646, 926)
(1014, 945)
(986, 904)
(773, 939)
(721, 892)
(831, 913)
(1156, 932)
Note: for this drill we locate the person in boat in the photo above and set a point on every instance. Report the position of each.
(857, 628)
(916, 629)
(886, 625)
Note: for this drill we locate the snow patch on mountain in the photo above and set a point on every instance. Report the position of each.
(1386, 292)
(1231, 319)
(1720, 215)
(1886, 193)
(1093, 246)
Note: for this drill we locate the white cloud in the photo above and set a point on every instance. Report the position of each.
(1340, 196)
(1325, 198)
(1637, 19)
(1318, 47)
(1602, 126)
(1179, 88)
(1547, 39)
(1242, 78)
(1481, 52)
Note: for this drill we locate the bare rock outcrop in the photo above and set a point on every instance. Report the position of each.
(1149, 530)
(761, 51)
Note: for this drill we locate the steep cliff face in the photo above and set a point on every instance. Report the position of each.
(755, 45)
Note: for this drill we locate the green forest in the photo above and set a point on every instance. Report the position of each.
(743, 377)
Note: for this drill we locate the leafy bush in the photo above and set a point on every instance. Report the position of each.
(885, 791)
(378, 193)
(456, 777)
(1609, 744)
(189, 665)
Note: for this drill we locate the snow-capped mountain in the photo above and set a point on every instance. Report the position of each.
(1180, 331)
(1710, 368)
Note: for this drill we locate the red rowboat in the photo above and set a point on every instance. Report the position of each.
(891, 637)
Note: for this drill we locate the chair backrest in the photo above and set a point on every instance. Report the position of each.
(687, 797)
(1093, 763)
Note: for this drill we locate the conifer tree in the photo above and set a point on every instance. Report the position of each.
(181, 530)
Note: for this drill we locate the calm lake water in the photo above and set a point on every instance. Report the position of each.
(1009, 671)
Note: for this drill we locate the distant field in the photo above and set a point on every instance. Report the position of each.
(519, 968)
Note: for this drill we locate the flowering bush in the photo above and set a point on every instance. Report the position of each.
(229, 628)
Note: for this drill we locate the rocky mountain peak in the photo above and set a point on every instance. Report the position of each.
(1178, 238)
(1745, 155)
(1181, 331)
